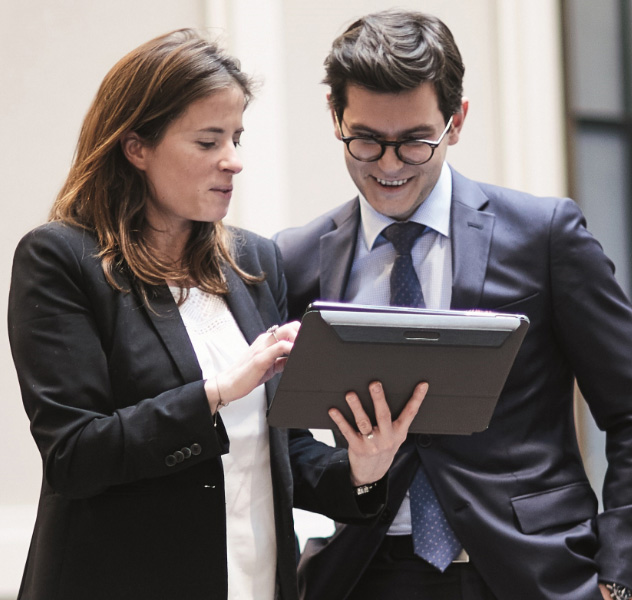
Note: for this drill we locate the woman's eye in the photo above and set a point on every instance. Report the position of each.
(207, 145)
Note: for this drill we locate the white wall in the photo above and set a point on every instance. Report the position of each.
(53, 56)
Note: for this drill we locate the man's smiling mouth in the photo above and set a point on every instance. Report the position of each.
(393, 183)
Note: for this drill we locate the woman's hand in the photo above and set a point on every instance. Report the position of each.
(372, 449)
(265, 358)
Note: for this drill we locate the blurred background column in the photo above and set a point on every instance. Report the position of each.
(254, 33)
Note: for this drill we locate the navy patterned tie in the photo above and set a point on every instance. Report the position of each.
(405, 287)
(433, 538)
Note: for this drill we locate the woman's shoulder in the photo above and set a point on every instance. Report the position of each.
(249, 247)
(57, 232)
(61, 240)
(254, 253)
(245, 237)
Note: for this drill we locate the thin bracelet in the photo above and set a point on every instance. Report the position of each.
(220, 402)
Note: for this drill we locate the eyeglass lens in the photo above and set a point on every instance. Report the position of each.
(367, 149)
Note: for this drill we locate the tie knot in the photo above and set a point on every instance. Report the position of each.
(403, 235)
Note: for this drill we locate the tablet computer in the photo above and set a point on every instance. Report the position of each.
(464, 356)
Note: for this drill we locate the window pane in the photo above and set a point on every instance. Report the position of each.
(601, 171)
(595, 57)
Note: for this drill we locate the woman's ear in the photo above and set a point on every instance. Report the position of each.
(134, 149)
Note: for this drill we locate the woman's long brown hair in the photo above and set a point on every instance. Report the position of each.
(144, 92)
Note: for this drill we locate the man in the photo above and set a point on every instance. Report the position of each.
(517, 512)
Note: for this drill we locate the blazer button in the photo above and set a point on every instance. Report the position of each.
(196, 449)
(186, 451)
(179, 456)
(424, 440)
(171, 461)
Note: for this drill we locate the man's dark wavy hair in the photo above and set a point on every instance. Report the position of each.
(393, 51)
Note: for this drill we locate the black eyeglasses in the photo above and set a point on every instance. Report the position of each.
(370, 149)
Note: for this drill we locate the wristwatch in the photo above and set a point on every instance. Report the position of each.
(619, 592)
(360, 490)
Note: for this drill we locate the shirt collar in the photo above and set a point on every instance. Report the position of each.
(434, 211)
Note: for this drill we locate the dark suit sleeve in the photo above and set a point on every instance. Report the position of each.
(322, 481)
(90, 437)
(321, 474)
(593, 320)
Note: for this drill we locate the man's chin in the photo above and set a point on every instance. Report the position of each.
(400, 211)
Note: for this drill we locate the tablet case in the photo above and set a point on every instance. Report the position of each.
(464, 356)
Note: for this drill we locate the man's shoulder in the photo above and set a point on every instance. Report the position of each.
(505, 201)
(303, 236)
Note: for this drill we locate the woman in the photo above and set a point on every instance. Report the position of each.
(130, 316)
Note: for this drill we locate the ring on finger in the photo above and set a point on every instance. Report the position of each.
(272, 331)
(369, 436)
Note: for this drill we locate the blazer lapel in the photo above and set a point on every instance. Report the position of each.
(242, 307)
(165, 316)
(337, 249)
(166, 319)
(247, 317)
(471, 241)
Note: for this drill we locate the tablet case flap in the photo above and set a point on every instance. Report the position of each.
(466, 369)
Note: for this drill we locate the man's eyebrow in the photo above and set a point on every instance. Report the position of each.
(419, 131)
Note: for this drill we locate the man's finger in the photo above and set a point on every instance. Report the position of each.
(412, 407)
(382, 410)
(347, 431)
(359, 414)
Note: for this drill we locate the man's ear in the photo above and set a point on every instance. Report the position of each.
(457, 122)
(134, 149)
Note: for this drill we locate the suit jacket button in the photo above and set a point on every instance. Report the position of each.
(179, 456)
(186, 451)
(385, 517)
(170, 461)
(196, 449)
(424, 440)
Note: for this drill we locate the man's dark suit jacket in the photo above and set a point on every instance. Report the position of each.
(517, 494)
(115, 395)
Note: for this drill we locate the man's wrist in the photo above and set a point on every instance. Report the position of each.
(366, 488)
(360, 490)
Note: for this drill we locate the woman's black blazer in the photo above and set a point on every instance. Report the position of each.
(132, 501)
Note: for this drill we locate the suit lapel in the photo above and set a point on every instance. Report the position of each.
(248, 319)
(166, 319)
(471, 241)
(242, 306)
(471, 234)
(337, 249)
